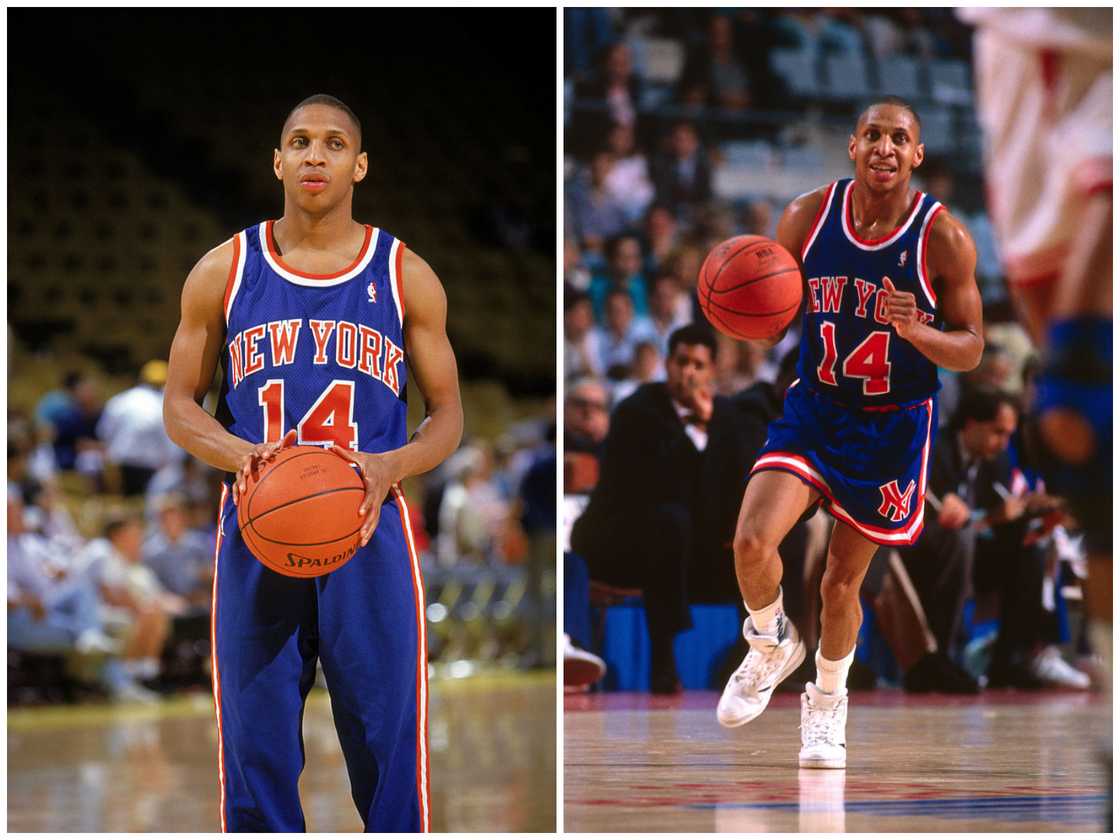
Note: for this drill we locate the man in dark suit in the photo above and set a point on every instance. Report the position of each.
(683, 176)
(641, 528)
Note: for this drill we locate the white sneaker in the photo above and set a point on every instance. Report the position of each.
(131, 692)
(1049, 667)
(823, 718)
(581, 667)
(769, 661)
(94, 641)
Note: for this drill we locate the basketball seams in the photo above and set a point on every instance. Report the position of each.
(755, 314)
(252, 524)
(257, 485)
(753, 280)
(744, 250)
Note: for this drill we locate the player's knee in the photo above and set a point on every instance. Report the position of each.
(839, 586)
(751, 548)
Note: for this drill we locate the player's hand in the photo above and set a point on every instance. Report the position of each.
(378, 478)
(902, 310)
(955, 513)
(259, 454)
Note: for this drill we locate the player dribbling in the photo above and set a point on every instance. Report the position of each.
(890, 296)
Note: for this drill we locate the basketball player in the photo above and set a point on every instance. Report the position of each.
(1044, 97)
(313, 317)
(890, 297)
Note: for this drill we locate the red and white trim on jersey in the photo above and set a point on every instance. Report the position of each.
(801, 467)
(236, 270)
(873, 244)
(423, 764)
(396, 279)
(924, 279)
(818, 222)
(301, 278)
(215, 672)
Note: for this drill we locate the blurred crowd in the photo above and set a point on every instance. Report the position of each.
(640, 215)
(111, 533)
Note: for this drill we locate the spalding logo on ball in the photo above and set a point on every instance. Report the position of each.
(300, 516)
(749, 288)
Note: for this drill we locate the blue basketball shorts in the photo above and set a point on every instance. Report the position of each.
(869, 465)
(365, 624)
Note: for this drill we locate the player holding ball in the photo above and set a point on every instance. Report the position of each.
(314, 318)
(890, 296)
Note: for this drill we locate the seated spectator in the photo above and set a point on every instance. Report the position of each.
(615, 84)
(586, 418)
(628, 181)
(624, 271)
(668, 308)
(662, 234)
(135, 605)
(592, 213)
(132, 429)
(758, 219)
(182, 559)
(973, 534)
(583, 353)
(682, 175)
(577, 276)
(621, 334)
(646, 367)
(663, 444)
(74, 423)
(712, 75)
(54, 608)
(49, 518)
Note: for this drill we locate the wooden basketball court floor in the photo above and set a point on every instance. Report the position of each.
(1003, 761)
(136, 768)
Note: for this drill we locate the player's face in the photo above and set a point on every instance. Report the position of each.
(690, 368)
(319, 160)
(885, 147)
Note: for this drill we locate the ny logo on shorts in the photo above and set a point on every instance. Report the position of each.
(896, 503)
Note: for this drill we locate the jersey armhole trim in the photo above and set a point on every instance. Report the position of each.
(396, 277)
(236, 270)
(924, 280)
(818, 222)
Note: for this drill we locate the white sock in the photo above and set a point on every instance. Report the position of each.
(832, 674)
(765, 620)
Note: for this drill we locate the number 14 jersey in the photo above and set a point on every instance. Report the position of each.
(849, 351)
(321, 354)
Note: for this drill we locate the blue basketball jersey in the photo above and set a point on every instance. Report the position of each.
(321, 354)
(849, 351)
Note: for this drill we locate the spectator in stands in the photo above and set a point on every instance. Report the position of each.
(583, 352)
(182, 559)
(195, 481)
(470, 511)
(621, 334)
(682, 175)
(623, 271)
(662, 235)
(713, 77)
(758, 218)
(47, 516)
(53, 605)
(663, 442)
(134, 601)
(576, 274)
(628, 181)
(74, 423)
(594, 214)
(616, 85)
(589, 31)
(586, 417)
(132, 429)
(668, 308)
(742, 364)
(647, 366)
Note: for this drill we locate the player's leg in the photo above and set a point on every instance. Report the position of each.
(772, 504)
(374, 654)
(263, 665)
(824, 705)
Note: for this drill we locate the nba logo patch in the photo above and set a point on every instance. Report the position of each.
(372, 291)
(902, 258)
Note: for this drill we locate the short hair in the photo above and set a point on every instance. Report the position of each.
(117, 521)
(616, 292)
(693, 334)
(898, 102)
(981, 405)
(574, 299)
(615, 242)
(333, 102)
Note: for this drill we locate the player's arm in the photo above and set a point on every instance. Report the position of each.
(432, 362)
(193, 360)
(794, 228)
(952, 263)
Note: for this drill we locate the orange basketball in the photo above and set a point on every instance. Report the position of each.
(300, 516)
(749, 287)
